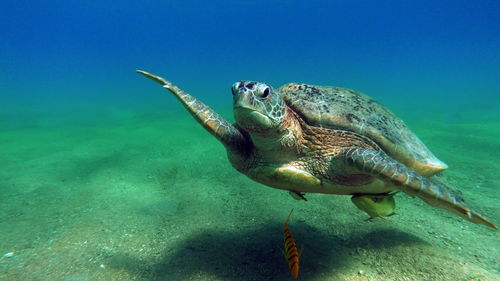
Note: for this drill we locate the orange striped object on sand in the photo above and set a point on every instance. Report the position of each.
(291, 252)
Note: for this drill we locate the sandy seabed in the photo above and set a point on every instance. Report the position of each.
(149, 195)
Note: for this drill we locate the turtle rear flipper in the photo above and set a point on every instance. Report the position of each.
(431, 191)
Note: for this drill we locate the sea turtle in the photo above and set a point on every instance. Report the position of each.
(305, 138)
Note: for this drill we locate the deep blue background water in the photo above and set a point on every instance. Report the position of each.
(398, 51)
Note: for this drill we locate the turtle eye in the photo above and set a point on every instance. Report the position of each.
(265, 93)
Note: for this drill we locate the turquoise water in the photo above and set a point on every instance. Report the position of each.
(106, 177)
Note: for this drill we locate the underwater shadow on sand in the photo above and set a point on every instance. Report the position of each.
(257, 254)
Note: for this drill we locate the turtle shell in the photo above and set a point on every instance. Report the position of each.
(346, 109)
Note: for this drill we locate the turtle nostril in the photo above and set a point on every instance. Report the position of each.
(241, 85)
(250, 86)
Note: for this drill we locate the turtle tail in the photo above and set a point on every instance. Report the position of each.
(228, 134)
(432, 191)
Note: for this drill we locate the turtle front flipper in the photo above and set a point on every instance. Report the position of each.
(228, 134)
(433, 193)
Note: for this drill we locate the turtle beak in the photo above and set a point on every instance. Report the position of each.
(242, 101)
(237, 87)
(242, 96)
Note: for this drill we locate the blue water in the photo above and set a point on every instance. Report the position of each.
(66, 51)
(104, 176)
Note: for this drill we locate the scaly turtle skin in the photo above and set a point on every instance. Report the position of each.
(304, 138)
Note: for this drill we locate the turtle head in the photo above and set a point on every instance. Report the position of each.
(257, 107)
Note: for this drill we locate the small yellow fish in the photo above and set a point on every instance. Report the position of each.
(291, 253)
(380, 205)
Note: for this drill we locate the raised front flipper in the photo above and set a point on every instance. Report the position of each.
(224, 131)
(384, 167)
